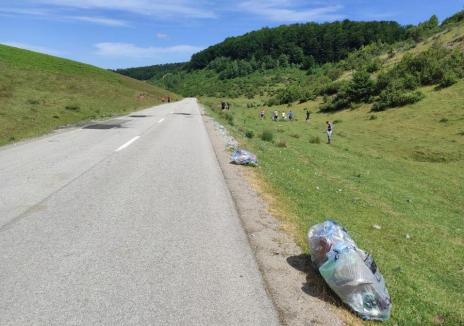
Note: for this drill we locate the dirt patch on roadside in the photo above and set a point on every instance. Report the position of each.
(298, 292)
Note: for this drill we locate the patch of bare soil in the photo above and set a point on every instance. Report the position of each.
(297, 291)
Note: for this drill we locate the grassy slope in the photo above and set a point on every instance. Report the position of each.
(39, 93)
(402, 169)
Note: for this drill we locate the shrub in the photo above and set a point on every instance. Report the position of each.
(289, 94)
(333, 88)
(267, 135)
(393, 97)
(249, 134)
(315, 140)
(361, 88)
(337, 104)
(449, 79)
(272, 101)
(373, 117)
(337, 121)
(295, 136)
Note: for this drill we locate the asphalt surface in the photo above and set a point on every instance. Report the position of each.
(126, 222)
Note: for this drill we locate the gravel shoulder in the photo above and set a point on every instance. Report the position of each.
(295, 289)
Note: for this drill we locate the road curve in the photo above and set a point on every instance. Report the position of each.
(125, 222)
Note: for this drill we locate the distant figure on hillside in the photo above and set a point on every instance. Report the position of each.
(275, 116)
(290, 115)
(228, 105)
(329, 131)
(169, 99)
(223, 105)
(284, 116)
(261, 115)
(308, 114)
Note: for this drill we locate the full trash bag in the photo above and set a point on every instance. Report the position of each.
(349, 271)
(244, 157)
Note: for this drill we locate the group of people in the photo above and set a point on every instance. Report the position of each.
(225, 105)
(275, 115)
(290, 116)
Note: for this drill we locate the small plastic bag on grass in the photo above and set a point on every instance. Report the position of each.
(244, 157)
(349, 271)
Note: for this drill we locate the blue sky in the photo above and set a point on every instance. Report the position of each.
(127, 33)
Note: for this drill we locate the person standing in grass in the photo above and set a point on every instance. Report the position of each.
(261, 115)
(329, 131)
(308, 114)
(275, 116)
(290, 115)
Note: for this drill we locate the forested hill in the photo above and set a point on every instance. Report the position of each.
(268, 48)
(151, 72)
(322, 43)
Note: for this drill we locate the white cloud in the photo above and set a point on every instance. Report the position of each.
(49, 14)
(100, 21)
(156, 8)
(290, 10)
(128, 50)
(162, 36)
(35, 48)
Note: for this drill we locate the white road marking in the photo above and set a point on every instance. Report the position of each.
(161, 120)
(127, 144)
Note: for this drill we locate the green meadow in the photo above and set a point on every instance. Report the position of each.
(39, 93)
(401, 169)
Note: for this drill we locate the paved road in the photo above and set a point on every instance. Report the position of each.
(128, 222)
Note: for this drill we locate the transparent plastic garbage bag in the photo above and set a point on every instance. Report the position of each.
(349, 271)
(244, 157)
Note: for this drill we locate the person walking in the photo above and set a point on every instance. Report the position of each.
(329, 131)
(275, 116)
(308, 114)
(290, 115)
(261, 115)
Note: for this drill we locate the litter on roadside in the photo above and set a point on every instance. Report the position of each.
(243, 157)
(349, 271)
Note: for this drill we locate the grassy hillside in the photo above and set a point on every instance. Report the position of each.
(401, 169)
(39, 93)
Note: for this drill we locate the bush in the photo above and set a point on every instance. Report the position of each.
(249, 134)
(373, 117)
(273, 101)
(295, 136)
(392, 97)
(427, 68)
(337, 104)
(361, 88)
(289, 94)
(267, 135)
(449, 79)
(315, 140)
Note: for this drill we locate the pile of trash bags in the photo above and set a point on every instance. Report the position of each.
(349, 271)
(244, 157)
